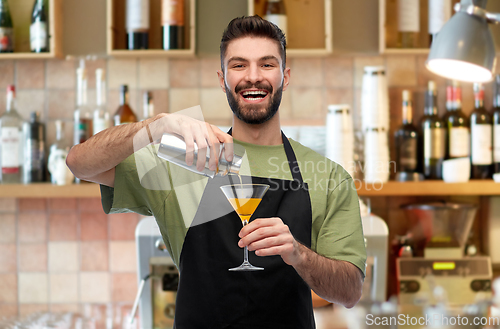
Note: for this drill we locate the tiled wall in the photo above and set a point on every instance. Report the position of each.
(56, 254)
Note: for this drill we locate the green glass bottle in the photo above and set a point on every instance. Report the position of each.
(6, 28)
(39, 28)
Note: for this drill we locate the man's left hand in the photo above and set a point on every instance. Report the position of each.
(268, 237)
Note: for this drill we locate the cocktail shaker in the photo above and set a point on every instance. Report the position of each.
(173, 149)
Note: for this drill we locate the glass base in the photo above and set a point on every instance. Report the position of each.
(246, 266)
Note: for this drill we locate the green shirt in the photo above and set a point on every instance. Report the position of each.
(150, 186)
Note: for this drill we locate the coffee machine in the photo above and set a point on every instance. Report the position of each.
(158, 278)
(439, 232)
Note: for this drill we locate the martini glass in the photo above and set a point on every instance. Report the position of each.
(245, 198)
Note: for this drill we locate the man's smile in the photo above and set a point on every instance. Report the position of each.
(254, 95)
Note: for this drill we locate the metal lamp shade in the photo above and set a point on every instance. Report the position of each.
(463, 50)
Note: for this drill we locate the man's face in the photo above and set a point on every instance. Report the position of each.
(253, 79)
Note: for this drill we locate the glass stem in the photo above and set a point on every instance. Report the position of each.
(245, 252)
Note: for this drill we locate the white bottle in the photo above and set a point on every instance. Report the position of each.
(408, 23)
(11, 136)
(148, 109)
(101, 119)
(439, 14)
(59, 171)
(275, 12)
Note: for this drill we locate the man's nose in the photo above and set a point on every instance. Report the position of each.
(253, 74)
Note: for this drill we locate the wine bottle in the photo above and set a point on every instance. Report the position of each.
(101, 119)
(408, 23)
(406, 139)
(39, 28)
(458, 127)
(275, 12)
(82, 115)
(11, 155)
(172, 18)
(433, 134)
(137, 24)
(124, 113)
(496, 125)
(481, 137)
(6, 28)
(148, 110)
(34, 150)
(439, 14)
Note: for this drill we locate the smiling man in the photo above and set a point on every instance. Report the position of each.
(306, 232)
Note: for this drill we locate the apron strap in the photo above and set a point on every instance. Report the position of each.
(290, 155)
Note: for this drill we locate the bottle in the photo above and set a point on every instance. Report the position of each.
(481, 137)
(275, 12)
(439, 14)
(172, 21)
(82, 115)
(101, 119)
(34, 150)
(39, 29)
(496, 126)
(408, 23)
(137, 24)
(124, 114)
(59, 171)
(433, 136)
(11, 155)
(148, 110)
(407, 139)
(173, 149)
(458, 127)
(6, 28)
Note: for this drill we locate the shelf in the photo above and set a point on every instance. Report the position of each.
(425, 188)
(431, 187)
(309, 26)
(116, 34)
(21, 16)
(47, 190)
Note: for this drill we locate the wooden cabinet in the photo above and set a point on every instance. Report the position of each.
(309, 25)
(21, 18)
(116, 34)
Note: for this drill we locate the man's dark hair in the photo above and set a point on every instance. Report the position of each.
(252, 26)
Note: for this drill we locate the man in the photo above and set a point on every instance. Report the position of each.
(306, 233)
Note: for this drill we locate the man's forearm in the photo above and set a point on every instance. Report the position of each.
(105, 150)
(334, 280)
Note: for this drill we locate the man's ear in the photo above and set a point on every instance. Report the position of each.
(286, 78)
(220, 74)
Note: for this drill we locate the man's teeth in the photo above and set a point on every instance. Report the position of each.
(254, 94)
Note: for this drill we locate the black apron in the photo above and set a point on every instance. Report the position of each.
(210, 296)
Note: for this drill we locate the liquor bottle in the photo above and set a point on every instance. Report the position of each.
(408, 23)
(407, 139)
(496, 125)
(101, 118)
(275, 12)
(458, 127)
(433, 136)
(59, 171)
(124, 114)
(481, 137)
(6, 28)
(172, 21)
(137, 24)
(82, 115)
(11, 155)
(148, 110)
(439, 14)
(39, 29)
(34, 150)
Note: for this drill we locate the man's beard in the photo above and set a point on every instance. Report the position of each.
(253, 115)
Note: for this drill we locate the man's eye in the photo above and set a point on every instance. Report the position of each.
(268, 65)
